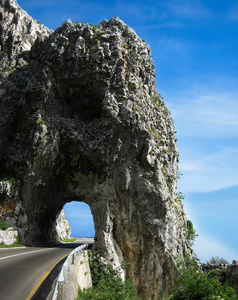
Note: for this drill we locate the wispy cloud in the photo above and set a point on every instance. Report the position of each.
(232, 13)
(207, 127)
(188, 9)
(214, 215)
(189, 167)
(206, 115)
(179, 49)
(206, 246)
(162, 24)
(207, 167)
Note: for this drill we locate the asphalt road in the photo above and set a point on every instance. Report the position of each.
(22, 268)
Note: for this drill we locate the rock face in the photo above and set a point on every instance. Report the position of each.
(81, 120)
(63, 228)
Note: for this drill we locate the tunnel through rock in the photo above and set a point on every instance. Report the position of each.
(81, 119)
(128, 209)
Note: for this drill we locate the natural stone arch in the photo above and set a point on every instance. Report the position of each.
(127, 209)
(81, 119)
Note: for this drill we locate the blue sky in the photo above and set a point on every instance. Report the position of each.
(195, 50)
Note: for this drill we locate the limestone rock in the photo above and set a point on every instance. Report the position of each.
(8, 237)
(80, 119)
(63, 228)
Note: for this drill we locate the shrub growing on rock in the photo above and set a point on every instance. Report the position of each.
(192, 284)
(107, 284)
(3, 225)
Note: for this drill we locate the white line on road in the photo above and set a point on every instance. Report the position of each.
(23, 253)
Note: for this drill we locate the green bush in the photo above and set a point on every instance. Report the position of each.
(191, 232)
(107, 284)
(3, 225)
(191, 284)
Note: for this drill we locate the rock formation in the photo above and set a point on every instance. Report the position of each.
(225, 272)
(81, 120)
(8, 236)
(63, 228)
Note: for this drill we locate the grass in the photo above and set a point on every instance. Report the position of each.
(70, 240)
(11, 180)
(42, 122)
(14, 245)
(11, 246)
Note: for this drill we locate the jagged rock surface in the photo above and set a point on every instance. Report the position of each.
(8, 237)
(81, 120)
(63, 228)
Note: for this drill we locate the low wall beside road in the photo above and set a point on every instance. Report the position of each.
(78, 276)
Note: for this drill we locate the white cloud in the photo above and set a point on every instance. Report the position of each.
(162, 25)
(206, 115)
(138, 10)
(233, 13)
(188, 9)
(188, 167)
(207, 127)
(206, 170)
(173, 44)
(206, 246)
(207, 130)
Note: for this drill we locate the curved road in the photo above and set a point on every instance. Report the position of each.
(22, 268)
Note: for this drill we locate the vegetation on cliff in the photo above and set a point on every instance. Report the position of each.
(193, 284)
(3, 225)
(107, 283)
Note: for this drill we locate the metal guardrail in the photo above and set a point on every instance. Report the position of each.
(62, 278)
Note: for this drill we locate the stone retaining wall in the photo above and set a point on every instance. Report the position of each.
(79, 276)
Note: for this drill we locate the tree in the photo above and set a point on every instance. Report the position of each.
(191, 232)
(215, 260)
(191, 284)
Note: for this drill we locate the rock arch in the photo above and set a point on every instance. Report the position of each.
(81, 119)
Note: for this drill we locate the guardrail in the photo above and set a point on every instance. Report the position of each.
(62, 278)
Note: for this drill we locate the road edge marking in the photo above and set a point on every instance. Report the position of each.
(36, 287)
(24, 253)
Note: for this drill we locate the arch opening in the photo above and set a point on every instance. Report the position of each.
(80, 218)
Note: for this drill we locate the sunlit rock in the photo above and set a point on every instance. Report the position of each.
(63, 229)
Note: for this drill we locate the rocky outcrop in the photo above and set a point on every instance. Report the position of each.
(63, 229)
(8, 236)
(81, 120)
(226, 273)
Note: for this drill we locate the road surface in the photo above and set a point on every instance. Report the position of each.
(22, 268)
